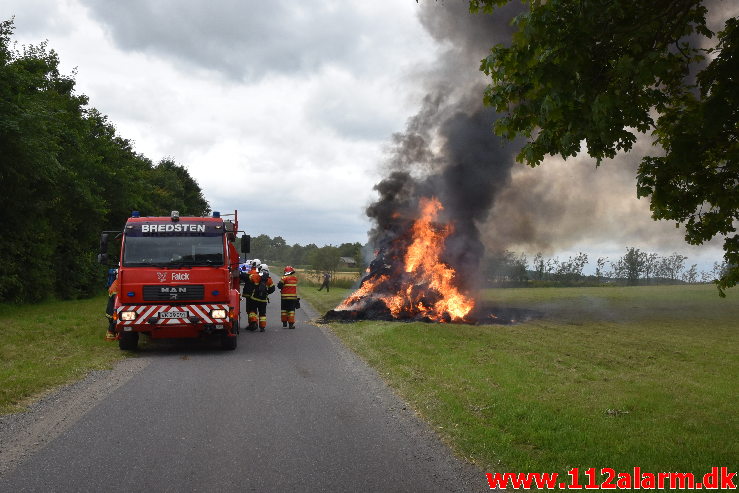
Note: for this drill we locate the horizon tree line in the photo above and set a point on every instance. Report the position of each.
(634, 267)
(325, 259)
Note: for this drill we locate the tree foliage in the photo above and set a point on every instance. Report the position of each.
(325, 258)
(635, 267)
(632, 265)
(65, 176)
(570, 269)
(599, 72)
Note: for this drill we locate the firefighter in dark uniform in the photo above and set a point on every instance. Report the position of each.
(251, 307)
(288, 286)
(261, 286)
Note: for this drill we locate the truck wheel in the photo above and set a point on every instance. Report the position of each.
(227, 342)
(128, 341)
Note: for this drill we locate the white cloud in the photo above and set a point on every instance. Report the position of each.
(253, 39)
(278, 109)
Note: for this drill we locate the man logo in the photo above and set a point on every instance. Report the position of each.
(162, 276)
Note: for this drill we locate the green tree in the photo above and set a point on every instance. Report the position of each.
(296, 254)
(650, 265)
(281, 249)
(691, 275)
(633, 264)
(175, 189)
(600, 265)
(65, 176)
(325, 259)
(261, 247)
(602, 71)
(672, 266)
(571, 269)
(539, 266)
(307, 253)
(40, 122)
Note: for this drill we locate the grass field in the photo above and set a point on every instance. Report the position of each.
(339, 280)
(50, 344)
(322, 301)
(602, 377)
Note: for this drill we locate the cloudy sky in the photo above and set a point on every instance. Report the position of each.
(285, 111)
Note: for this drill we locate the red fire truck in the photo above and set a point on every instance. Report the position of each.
(178, 278)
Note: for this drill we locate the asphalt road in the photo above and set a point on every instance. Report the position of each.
(288, 410)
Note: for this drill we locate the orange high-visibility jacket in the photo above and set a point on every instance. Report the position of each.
(113, 289)
(289, 287)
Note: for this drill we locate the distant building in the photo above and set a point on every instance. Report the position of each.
(348, 261)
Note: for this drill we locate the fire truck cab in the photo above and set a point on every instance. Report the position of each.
(178, 278)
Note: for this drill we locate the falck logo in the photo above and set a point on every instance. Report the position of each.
(162, 276)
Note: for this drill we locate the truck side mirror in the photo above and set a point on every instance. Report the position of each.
(104, 243)
(245, 243)
(103, 258)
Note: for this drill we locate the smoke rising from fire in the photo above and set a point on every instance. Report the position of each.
(448, 150)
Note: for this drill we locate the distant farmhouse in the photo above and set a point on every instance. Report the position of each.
(348, 261)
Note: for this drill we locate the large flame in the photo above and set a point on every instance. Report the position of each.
(424, 285)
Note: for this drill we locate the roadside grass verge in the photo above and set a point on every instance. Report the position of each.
(339, 281)
(50, 344)
(603, 377)
(322, 301)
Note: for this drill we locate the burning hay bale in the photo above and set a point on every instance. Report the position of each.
(409, 279)
(445, 172)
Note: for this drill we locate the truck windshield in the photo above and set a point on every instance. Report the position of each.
(172, 251)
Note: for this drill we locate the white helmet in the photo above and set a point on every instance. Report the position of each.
(264, 269)
(256, 262)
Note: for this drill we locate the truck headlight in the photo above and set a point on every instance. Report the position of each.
(128, 316)
(218, 313)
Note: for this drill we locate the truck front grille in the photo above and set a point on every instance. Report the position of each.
(190, 292)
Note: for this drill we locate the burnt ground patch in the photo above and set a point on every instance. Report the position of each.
(482, 314)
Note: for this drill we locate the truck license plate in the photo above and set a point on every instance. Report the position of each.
(174, 314)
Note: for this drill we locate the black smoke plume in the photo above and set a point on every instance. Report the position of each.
(448, 150)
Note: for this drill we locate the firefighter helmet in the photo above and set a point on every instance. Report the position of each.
(289, 270)
(264, 269)
(256, 263)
